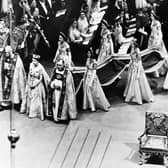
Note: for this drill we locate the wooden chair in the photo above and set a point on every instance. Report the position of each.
(154, 140)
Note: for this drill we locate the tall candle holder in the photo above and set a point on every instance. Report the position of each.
(13, 137)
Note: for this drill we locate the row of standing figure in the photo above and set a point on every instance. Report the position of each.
(56, 97)
(61, 100)
(136, 71)
(155, 40)
(137, 88)
(64, 53)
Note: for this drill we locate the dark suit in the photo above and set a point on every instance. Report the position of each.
(49, 26)
(56, 5)
(45, 15)
(131, 7)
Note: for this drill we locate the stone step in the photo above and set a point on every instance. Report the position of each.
(88, 149)
(118, 134)
(85, 145)
(76, 148)
(64, 147)
(81, 147)
(100, 150)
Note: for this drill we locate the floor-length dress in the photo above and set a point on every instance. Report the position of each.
(118, 35)
(19, 82)
(94, 96)
(83, 24)
(63, 52)
(75, 35)
(137, 87)
(106, 48)
(156, 38)
(35, 100)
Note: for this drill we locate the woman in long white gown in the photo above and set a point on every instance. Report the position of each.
(83, 23)
(63, 51)
(94, 96)
(137, 87)
(106, 47)
(35, 100)
(156, 40)
(118, 34)
(74, 33)
(156, 37)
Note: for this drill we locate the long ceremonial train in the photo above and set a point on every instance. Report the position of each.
(111, 69)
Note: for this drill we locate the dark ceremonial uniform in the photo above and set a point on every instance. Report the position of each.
(13, 79)
(62, 100)
(60, 87)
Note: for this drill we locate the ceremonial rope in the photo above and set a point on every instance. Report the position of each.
(79, 86)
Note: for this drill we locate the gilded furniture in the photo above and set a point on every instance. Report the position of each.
(154, 140)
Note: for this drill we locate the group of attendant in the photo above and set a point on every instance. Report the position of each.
(41, 96)
(137, 88)
(54, 97)
(49, 97)
(81, 27)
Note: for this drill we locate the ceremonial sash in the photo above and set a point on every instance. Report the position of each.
(62, 97)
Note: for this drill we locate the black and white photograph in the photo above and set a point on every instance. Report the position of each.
(84, 83)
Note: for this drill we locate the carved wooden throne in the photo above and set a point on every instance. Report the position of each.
(154, 140)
